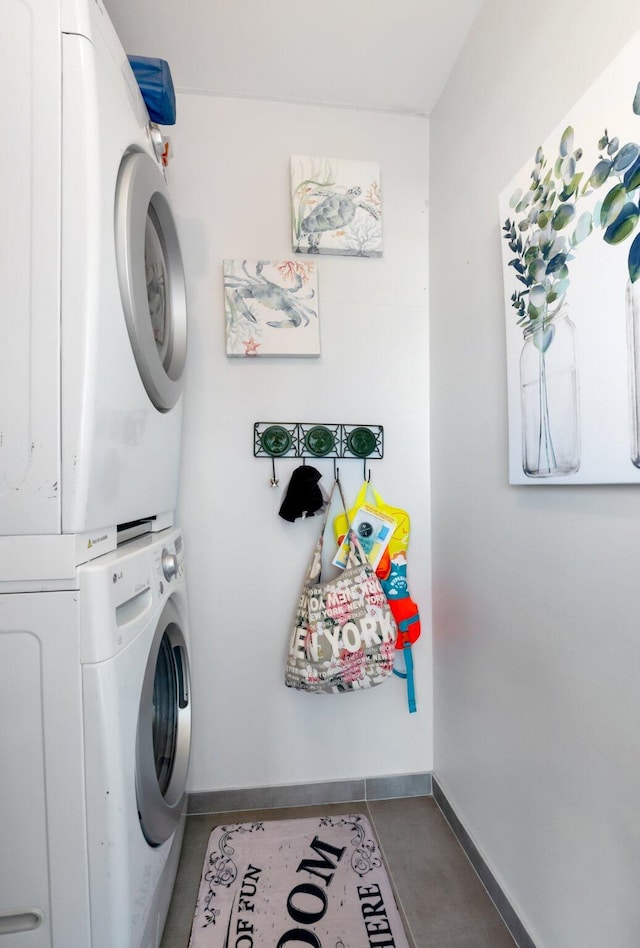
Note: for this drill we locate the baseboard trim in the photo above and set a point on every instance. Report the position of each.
(310, 794)
(496, 894)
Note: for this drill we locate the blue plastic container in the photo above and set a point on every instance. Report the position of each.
(156, 86)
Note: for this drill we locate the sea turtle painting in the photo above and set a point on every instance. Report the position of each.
(336, 207)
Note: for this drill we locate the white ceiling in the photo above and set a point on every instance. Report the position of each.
(372, 54)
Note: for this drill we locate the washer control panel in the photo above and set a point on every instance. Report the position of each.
(120, 591)
(169, 563)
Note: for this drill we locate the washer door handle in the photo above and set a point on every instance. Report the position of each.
(183, 681)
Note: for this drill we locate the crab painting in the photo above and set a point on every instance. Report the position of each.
(262, 299)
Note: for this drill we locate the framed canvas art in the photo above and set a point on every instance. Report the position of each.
(271, 308)
(336, 207)
(571, 264)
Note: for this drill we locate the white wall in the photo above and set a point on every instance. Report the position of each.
(537, 641)
(230, 185)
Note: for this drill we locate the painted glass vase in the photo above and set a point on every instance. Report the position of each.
(549, 398)
(633, 363)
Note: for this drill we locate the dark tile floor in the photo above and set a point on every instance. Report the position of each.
(442, 902)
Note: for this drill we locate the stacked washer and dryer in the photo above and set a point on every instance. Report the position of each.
(94, 663)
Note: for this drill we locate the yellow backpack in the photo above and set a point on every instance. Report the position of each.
(392, 573)
(398, 543)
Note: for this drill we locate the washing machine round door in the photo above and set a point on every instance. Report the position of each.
(164, 730)
(151, 277)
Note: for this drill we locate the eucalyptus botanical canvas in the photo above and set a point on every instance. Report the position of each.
(336, 206)
(571, 263)
(271, 308)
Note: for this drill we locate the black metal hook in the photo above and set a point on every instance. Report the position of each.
(274, 479)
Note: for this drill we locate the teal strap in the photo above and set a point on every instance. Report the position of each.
(408, 660)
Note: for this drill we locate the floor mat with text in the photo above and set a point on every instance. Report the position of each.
(318, 882)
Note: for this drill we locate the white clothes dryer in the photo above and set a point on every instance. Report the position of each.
(93, 323)
(95, 728)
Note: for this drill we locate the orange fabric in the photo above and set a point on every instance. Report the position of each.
(405, 609)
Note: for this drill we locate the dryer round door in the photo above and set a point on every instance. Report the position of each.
(151, 277)
(164, 730)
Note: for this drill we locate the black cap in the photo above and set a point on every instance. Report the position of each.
(303, 495)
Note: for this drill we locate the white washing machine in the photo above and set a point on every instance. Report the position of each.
(93, 320)
(95, 728)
